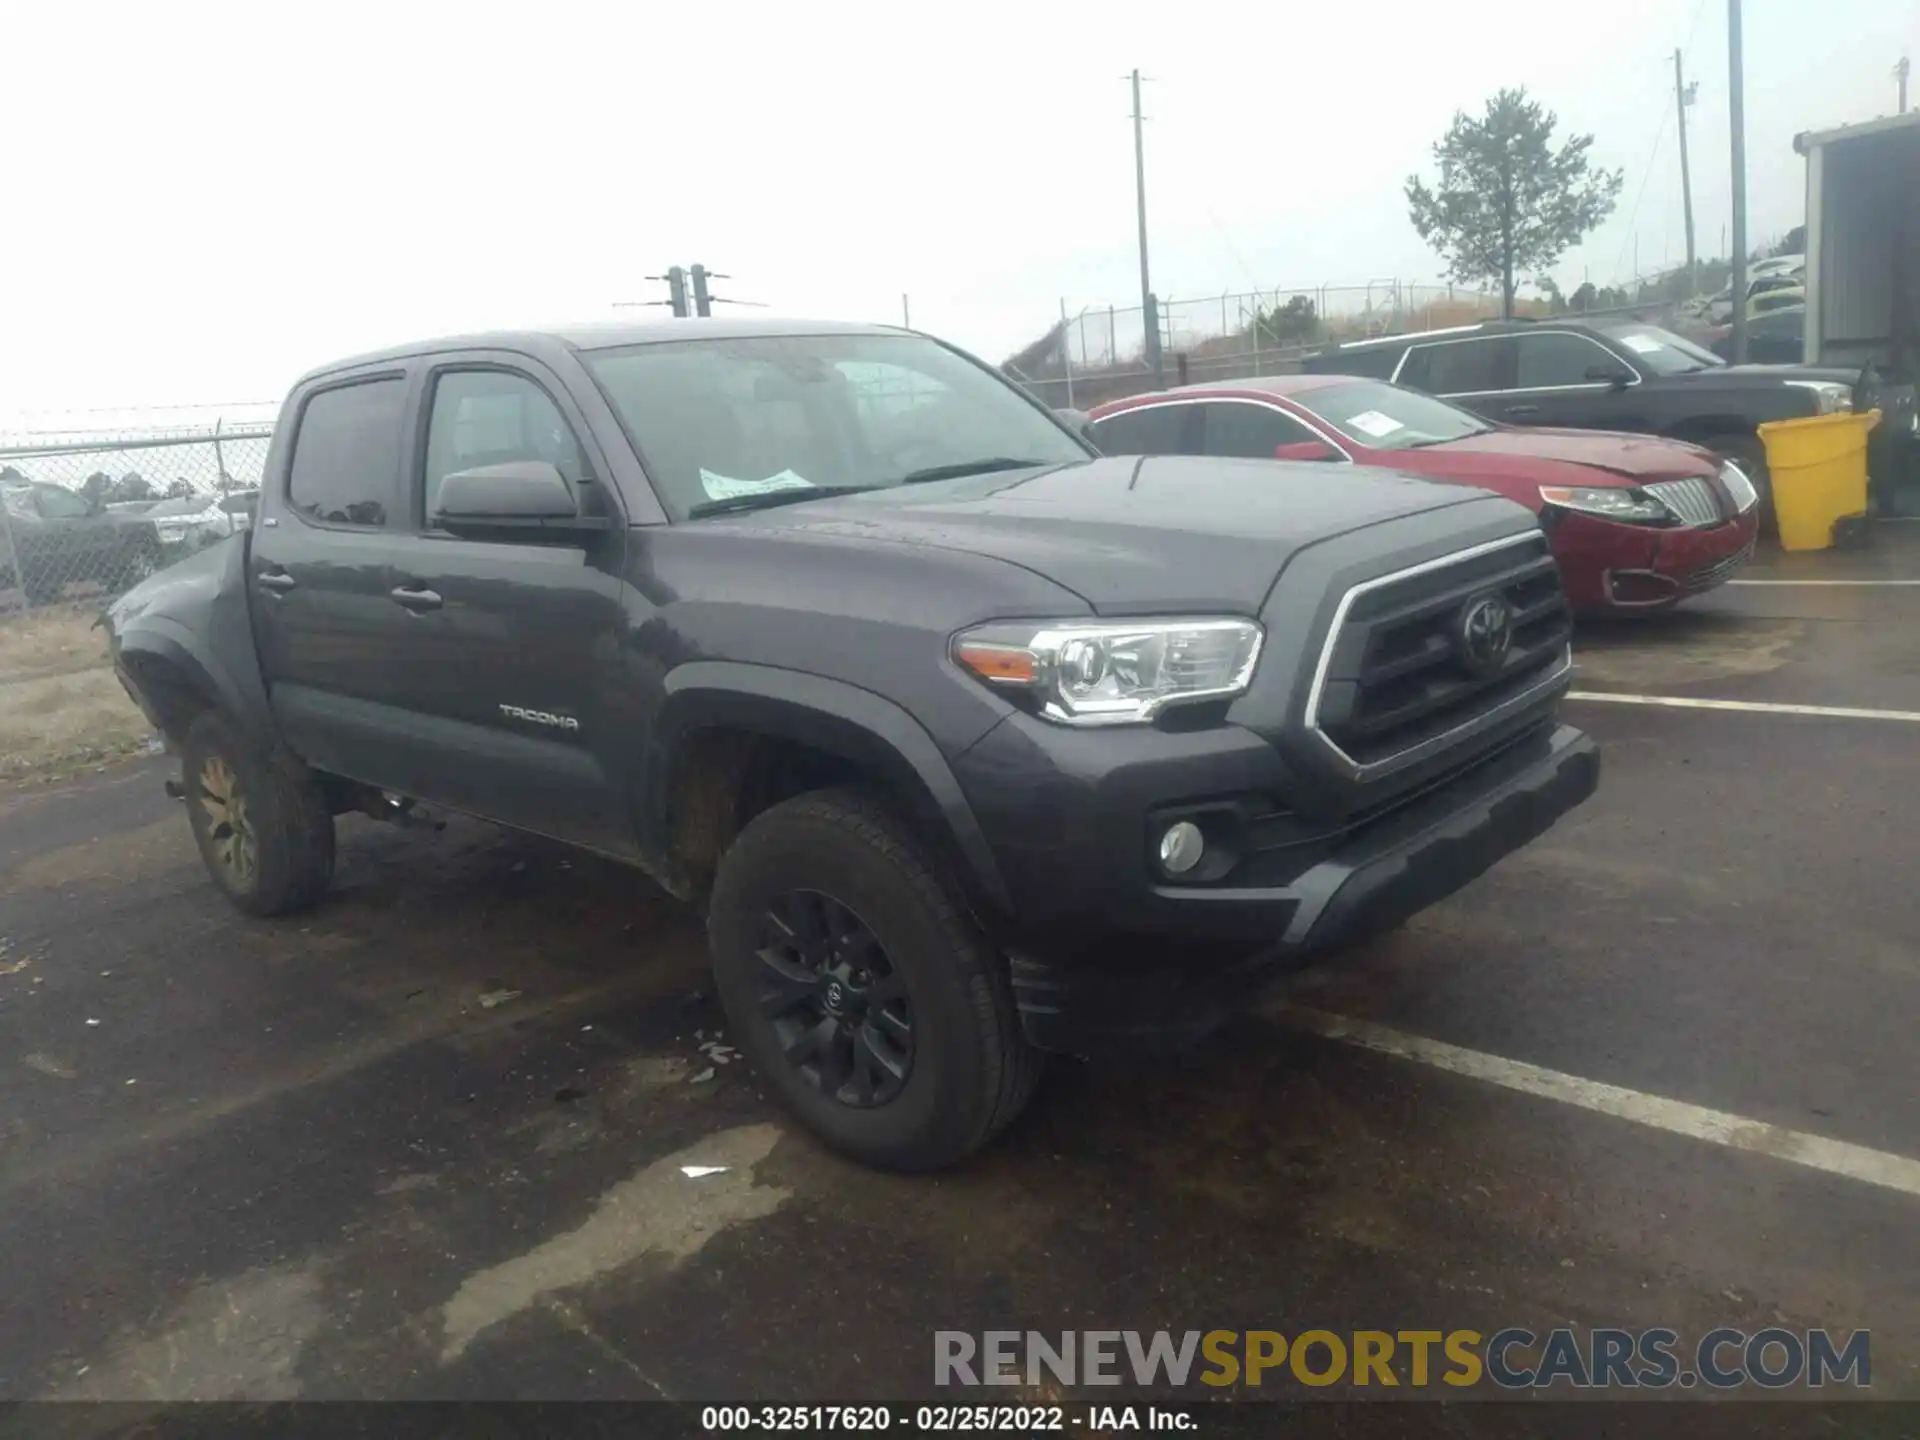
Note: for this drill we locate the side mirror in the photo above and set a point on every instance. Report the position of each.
(1076, 421)
(1305, 450)
(520, 494)
(1615, 375)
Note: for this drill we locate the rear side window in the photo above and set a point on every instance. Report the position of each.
(1251, 432)
(1374, 362)
(1458, 367)
(1150, 430)
(346, 456)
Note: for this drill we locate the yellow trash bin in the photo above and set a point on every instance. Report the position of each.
(1819, 470)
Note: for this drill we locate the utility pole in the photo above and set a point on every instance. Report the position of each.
(1900, 74)
(702, 302)
(1683, 97)
(1737, 121)
(1149, 312)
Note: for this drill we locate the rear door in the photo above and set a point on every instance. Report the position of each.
(1171, 428)
(321, 575)
(504, 649)
(1474, 372)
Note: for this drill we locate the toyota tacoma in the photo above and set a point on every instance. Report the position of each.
(973, 743)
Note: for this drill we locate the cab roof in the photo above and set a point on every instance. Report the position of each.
(607, 335)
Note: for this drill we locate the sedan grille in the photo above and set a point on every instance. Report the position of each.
(1405, 675)
(1708, 576)
(1695, 501)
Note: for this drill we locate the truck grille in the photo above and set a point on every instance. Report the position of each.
(1414, 664)
(1695, 501)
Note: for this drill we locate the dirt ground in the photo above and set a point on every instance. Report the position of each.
(60, 706)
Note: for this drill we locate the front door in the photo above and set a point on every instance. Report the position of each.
(507, 648)
(1555, 384)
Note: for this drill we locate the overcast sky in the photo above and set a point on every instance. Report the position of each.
(203, 200)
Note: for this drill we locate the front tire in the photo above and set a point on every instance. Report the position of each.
(861, 989)
(264, 828)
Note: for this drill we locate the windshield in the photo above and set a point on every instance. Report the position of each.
(1385, 417)
(724, 422)
(1662, 351)
(190, 506)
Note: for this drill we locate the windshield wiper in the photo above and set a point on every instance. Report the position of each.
(985, 465)
(767, 499)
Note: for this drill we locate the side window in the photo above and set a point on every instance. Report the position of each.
(346, 456)
(493, 417)
(60, 504)
(1457, 367)
(1374, 362)
(1150, 430)
(1250, 431)
(1558, 358)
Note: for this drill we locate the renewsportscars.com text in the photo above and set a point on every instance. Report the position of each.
(1513, 1359)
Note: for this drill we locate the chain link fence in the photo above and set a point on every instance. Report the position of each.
(1100, 354)
(86, 516)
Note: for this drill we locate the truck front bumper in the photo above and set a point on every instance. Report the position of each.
(1165, 963)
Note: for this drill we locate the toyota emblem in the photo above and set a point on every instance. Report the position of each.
(1484, 634)
(835, 995)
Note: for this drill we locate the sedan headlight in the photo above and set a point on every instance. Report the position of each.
(1112, 673)
(1829, 396)
(1745, 496)
(1627, 505)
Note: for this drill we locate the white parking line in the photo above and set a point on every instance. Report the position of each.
(1764, 707)
(1823, 582)
(1716, 1127)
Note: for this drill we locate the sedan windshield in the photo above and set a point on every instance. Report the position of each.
(1385, 417)
(1661, 351)
(733, 423)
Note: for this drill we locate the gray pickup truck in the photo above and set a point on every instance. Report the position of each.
(973, 743)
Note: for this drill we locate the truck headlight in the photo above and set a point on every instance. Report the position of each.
(1745, 497)
(1121, 672)
(1829, 396)
(1613, 503)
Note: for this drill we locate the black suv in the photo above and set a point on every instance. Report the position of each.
(1608, 375)
(973, 743)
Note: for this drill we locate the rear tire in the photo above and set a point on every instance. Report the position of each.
(921, 1059)
(264, 827)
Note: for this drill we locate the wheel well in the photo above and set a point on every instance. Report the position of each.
(172, 698)
(725, 776)
(1698, 431)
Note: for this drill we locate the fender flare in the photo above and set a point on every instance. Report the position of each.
(828, 715)
(163, 641)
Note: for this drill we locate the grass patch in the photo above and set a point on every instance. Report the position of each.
(59, 640)
(61, 706)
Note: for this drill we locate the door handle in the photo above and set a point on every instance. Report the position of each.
(1523, 412)
(416, 598)
(275, 582)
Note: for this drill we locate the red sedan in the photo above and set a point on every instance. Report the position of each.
(1636, 522)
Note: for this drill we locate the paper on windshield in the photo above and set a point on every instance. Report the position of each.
(725, 487)
(1372, 422)
(1641, 344)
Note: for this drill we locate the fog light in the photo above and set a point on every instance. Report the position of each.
(1181, 847)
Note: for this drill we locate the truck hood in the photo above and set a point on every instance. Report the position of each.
(1748, 376)
(1504, 454)
(1133, 534)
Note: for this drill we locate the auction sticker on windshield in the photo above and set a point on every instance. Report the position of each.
(1372, 422)
(725, 487)
(1641, 344)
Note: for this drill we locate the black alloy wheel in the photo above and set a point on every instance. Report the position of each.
(839, 1010)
